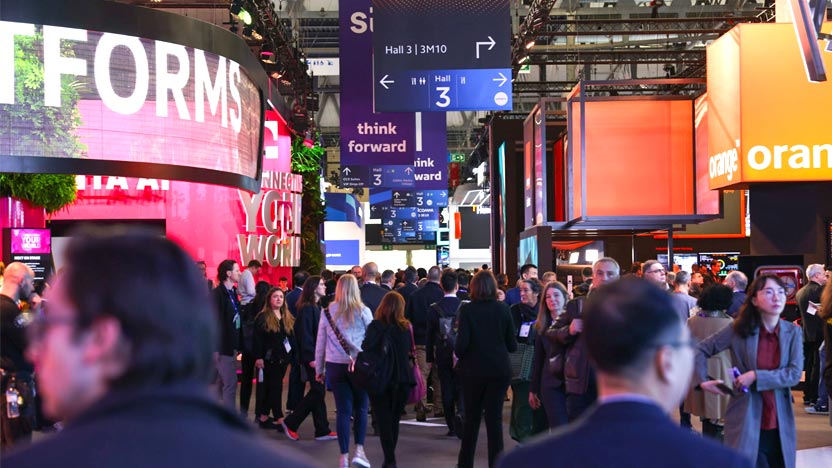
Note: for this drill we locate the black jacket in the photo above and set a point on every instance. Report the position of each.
(269, 345)
(547, 365)
(230, 335)
(12, 337)
(292, 300)
(577, 371)
(306, 332)
(403, 372)
(407, 290)
(486, 336)
(449, 306)
(812, 324)
(371, 295)
(520, 314)
(163, 426)
(417, 309)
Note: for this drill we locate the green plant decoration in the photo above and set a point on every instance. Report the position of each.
(50, 191)
(35, 129)
(306, 161)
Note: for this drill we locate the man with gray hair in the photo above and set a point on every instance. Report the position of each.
(388, 280)
(683, 302)
(738, 282)
(808, 302)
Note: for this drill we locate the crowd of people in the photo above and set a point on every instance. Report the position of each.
(126, 335)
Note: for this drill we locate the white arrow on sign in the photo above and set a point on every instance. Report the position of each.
(396, 195)
(384, 81)
(346, 171)
(408, 170)
(491, 43)
(502, 79)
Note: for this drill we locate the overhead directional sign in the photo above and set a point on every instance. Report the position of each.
(441, 55)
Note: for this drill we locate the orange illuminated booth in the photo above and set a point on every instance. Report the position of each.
(629, 163)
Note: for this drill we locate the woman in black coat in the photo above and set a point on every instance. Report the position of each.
(274, 344)
(387, 407)
(547, 367)
(486, 336)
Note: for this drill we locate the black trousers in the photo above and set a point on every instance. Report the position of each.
(247, 368)
(313, 403)
(554, 404)
(387, 412)
(451, 404)
(482, 395)
(770, 452)
(296, 387)
(270, 391)
(811, 354)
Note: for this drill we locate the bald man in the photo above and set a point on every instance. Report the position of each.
(18, 284)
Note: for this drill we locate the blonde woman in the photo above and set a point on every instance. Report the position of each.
(547, 367)
(340, 334)
(274, 343)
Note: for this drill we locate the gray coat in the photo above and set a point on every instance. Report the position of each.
(742, 418)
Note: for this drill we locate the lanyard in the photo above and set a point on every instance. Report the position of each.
(236, 310)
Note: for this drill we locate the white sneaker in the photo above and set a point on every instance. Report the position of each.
(360, 459)
(344, 461)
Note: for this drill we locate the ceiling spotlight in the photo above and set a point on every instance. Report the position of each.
(530, 43)
(523, 60)
(241, 13)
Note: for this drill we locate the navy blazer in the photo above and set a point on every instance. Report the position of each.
(623, 434)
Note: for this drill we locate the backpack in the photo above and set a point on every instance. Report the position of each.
(373, 370)
(448, 329)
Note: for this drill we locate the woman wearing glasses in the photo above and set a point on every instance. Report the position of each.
(768, 355)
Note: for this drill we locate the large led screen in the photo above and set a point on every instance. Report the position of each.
(84, 95)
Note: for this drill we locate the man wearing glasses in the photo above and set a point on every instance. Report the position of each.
(123, 353)
(654, 272)
(643, 356)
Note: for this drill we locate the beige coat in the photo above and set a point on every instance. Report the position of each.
(699, 402)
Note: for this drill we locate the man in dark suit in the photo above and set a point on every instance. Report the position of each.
(463, 279)
(296, 385)
(107, 367)
(439, 350)
(371, 292)
(388, 280)
(808, 302)
(410, 279)
(416, 311)
(644, 359)
(738, 282)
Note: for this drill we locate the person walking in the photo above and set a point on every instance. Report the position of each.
(342, 325)
(768, 353)
(391, 327)
(274, 345)
(486, 337)
(306, 334)
(547, 389)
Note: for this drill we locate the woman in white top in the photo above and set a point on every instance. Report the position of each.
(340, 334)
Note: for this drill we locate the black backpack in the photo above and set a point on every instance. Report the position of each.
(448, 329)
(373, 370)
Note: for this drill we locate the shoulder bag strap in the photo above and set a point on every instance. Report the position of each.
(412, 343)
(337, 332)
(439, 309)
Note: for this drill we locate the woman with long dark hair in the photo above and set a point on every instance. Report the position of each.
(525, 421)
(342, 327)
(248, 314)
(306, 334)
(486, 336)
(274, 345)
(767, 354)
(391, 327)
(547, 388)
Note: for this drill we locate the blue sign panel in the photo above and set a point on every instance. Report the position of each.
(342, 252)
(440, 55)
(444, 90)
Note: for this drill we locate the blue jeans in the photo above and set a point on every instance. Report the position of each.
(347, 397)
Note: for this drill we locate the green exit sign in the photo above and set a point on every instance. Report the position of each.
(430, 246)
(456, 157)
(386, 247)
